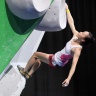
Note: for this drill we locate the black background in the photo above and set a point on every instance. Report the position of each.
(47, 81)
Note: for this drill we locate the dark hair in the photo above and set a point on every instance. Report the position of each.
(89, 40)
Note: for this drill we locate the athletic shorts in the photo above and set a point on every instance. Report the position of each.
(54, 64)
(50, 61)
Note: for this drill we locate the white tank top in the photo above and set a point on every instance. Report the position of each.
(62, 57)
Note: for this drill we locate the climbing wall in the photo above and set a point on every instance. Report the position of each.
(20, 36)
